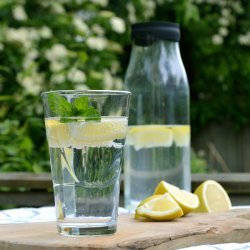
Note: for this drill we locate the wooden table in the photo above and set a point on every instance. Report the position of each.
(194, 229)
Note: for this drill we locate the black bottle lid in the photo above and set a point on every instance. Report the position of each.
(144, 34)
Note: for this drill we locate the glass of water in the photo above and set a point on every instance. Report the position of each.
(86, 131)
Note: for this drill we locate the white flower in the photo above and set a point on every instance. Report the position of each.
(117, 24)
(217, 39)
(131, 13)
(224, 21)
(57, 7)
(19, 13)
(118, 83)
(81, 87)
(98, 30)
(225, 12)
(76, 75)
(56, 65)
(32, 83)
(29, 58)
(98, 43)
(57, 78)
(237, 6)
(102, 3)
(149, 8)
(45, 32)
(244, 39)
(223, 31)
(25, 36)
(80, 25)
(56, 52)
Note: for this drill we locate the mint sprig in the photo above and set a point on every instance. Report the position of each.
(79, 107)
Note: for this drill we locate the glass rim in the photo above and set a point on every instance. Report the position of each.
(90, 91)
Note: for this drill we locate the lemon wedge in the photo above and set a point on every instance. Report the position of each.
(186, 200)
(159, 208)
(213, 197)
(145, 201)
(181, 135)
(149, 136)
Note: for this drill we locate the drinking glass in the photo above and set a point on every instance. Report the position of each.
(86, 131)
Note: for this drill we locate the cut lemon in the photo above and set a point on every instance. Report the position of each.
(213, 197)
(57, 133)
(98, 132)
(181, 135)
(159, 208)
(149, 136)
(81, 133)
(145, 201)
(186, 200)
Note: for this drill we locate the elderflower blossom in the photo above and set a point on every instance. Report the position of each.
(57, 51)
(80, 25)
(97, 43)
(76, 75)
(117, 24)
(31, 83)
(45, 32)
(102, 3)
(57, 78)
(19, 13)
(244, 39)
(217, 39)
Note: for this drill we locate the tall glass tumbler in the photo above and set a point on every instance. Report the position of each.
(86, 131)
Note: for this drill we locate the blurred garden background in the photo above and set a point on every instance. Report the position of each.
(85, 44)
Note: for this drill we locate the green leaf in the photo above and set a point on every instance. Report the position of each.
(68, 119)
(59, 105)
(81, 103)
(79, 107)
(91, 114)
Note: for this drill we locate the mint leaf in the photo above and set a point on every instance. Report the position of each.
(59, 104)
(91, 114)
(81, 103)
(67, 119)
(69, 111)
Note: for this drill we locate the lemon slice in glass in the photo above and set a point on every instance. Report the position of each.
(160, 208)
(98, 133)
(213, 197)
(57, 133)
(186, 200)
(181, 135)
(149, 136)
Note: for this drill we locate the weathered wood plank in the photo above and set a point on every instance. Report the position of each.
(28, 180)
(191, 230)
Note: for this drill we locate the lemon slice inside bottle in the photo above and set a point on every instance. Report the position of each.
(149, 136)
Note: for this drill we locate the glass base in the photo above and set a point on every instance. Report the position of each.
(68, 230)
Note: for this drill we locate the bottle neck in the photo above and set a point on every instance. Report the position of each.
(159, 54)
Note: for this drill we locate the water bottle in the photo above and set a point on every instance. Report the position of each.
(158, 140)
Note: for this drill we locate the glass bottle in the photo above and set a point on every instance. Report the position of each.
(158, 141)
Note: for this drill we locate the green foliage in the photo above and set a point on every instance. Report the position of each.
(80, 44)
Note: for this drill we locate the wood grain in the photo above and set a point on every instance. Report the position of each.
(194, 229)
